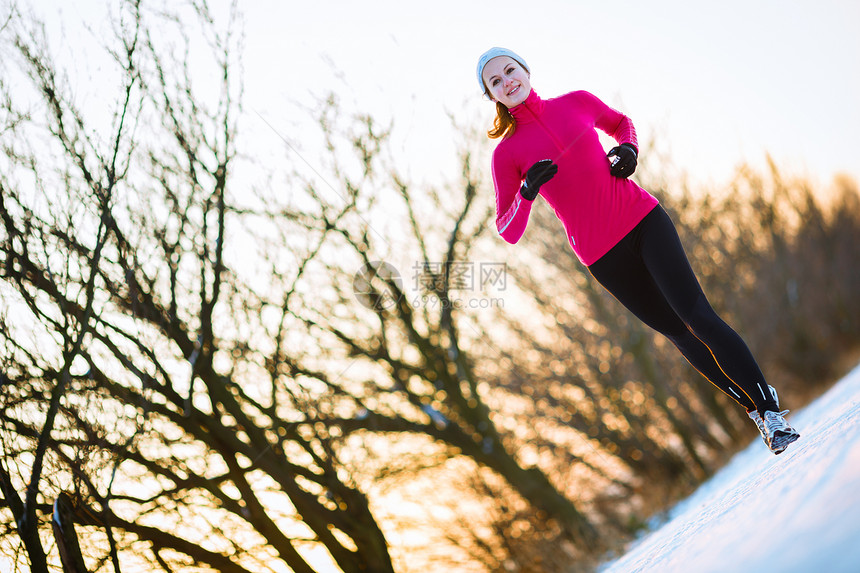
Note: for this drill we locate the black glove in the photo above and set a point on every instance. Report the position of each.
(537, 175)
(622, 160)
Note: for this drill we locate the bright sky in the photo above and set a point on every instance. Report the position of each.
(717, 83)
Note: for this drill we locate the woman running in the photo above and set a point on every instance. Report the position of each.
(617, 229)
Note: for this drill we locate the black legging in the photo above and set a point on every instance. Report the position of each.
(648, 272)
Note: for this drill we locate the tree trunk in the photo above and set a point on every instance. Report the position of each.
(63, 524)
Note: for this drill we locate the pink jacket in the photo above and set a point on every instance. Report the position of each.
(596, 209)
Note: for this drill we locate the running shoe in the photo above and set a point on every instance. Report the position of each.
(779, 433)
(756, 417)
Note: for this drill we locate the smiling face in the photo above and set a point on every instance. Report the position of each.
(507, 81)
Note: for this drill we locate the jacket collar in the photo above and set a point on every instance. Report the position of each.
(529, 110)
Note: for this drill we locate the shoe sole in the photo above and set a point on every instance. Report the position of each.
(782, 440)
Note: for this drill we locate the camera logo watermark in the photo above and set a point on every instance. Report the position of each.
(372, 285)
(459, 284)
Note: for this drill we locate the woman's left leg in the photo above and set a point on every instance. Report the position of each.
(663, 255)
(622, 272)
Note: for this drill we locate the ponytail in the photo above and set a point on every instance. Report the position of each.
(504, 125)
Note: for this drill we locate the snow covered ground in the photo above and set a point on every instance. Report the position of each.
(798, 512)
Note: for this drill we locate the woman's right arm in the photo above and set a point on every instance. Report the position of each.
(512, 210)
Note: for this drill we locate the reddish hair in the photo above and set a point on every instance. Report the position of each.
(504, 125)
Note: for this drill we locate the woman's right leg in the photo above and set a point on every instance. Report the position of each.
(649, 273)
(623, 273)
(661, 251)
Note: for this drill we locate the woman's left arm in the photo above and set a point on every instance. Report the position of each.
(610, 121)
(624, 157)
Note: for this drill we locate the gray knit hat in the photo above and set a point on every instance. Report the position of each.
(495, 53)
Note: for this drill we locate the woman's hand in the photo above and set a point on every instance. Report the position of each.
(622, 160)
(537, 175)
